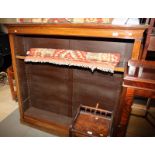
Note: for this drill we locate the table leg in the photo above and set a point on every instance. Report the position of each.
(125, 110)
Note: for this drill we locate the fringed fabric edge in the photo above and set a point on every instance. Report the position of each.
(91, 65)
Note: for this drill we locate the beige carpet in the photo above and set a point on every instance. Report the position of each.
(7, 105)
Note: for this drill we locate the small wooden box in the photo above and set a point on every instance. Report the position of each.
(91, 122)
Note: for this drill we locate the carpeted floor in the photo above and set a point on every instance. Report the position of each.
(140, 126)
(7, 105)
(11, 127)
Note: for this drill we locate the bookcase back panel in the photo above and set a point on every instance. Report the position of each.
(49, 87)
(61, 89)
(97, 87)
(102, 45)
(44, 42)
(24, 43)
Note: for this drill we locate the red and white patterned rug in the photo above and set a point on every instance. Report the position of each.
(101, 61)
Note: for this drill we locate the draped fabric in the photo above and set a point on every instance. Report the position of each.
(65, 20)
(101, 61)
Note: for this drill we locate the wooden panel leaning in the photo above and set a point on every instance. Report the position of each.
(11, 79)
(139, 78)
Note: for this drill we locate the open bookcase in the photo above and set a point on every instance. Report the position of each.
(48, 94)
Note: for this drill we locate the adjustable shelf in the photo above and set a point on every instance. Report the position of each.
(117, 69)
(20, 57)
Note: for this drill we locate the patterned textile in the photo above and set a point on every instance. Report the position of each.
(65, 20)
(101, 61)
(42, 20)
(90, 20)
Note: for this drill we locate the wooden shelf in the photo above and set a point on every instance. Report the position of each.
(48, 117)
(20, 57)
(117, 69)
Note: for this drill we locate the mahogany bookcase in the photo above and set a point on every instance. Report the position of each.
(49, 95)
